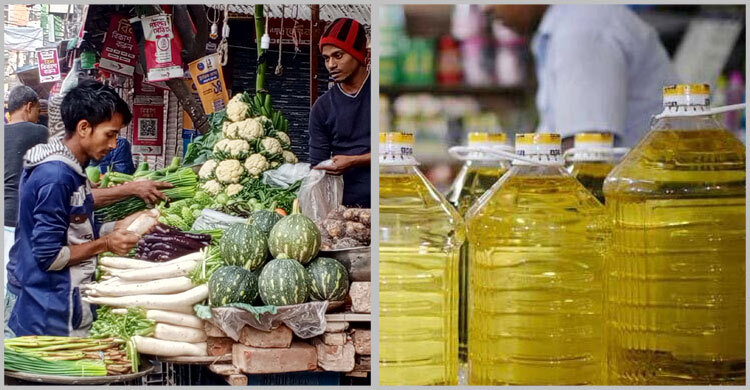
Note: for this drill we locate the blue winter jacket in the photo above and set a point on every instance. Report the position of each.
(55, 211)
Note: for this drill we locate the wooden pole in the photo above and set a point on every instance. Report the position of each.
(314, 38)
(260, 27)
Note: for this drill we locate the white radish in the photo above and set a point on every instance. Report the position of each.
(173, 270)
(119, 311)
(163, 286)
(144, 222)
(179, 333)
(152, 346)
(170, 317)
(106, 269)
(128, 263)
(163, 302)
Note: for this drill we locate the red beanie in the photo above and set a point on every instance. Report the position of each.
(348, 35)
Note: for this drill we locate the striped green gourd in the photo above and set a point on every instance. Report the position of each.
(328, 279)
(232, 284)
(295, 236)
(244, 245)
(264, 220)
(283, 282)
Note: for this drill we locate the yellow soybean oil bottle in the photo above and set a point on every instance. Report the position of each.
(420, 240)
(537, 240)
(676, 280)
(591, 160)
(478, 173)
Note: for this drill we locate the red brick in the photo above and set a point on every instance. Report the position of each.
(334, 338)
(280, 337)
(359, 292)
(339, 358)
(362, 340)
(336, 326)
(213, 330)
(299, 356)
(219, 346)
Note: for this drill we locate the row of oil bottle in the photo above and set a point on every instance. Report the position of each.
(554, 287)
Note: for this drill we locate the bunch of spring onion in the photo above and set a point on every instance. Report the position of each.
(184, 181)
(69, 356)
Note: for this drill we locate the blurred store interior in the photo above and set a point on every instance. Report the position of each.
(446, 70)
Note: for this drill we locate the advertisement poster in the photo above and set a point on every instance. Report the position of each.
(209, 81)
(49, 67)
(162, 49)
(148, 129)
(120, 49)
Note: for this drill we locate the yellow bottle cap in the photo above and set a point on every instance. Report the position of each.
(396, 137)
(480, 137)
(538, 139)
(599, 138)
(687, 89)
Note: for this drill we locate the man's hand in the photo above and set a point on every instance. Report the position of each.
(121, 241)
(342, 163)
(148, 190)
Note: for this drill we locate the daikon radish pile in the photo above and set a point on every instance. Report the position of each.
(163, 286)
(179, 333)
(152, 346)
(174, 318)
(173, 270)
(154, 301)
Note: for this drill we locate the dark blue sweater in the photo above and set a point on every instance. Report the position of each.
(340, 125)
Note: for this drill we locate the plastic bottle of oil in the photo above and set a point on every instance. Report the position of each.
(537, 240)
(676, 280)
(590, 163)
(479, 172)
(420, 240)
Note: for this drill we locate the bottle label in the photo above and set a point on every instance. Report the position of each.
(393, 153)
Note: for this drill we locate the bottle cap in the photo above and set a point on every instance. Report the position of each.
(544, 147)
(687, 95)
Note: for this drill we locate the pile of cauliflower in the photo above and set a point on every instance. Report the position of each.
(248, 147)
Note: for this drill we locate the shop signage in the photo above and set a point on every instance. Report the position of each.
(120, 49)
(49, 66)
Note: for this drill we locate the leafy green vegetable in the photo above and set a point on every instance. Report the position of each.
(201, 149)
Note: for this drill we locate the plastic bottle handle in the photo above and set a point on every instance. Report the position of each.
(711, 111)
(612, 151)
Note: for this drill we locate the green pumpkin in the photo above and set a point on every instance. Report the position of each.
(244, 245)
(264, 220)
(295, 236)
(329, 279)
(232, 284)
(283, 282)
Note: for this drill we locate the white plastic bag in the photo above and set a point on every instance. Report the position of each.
(320, 193)
(212, 219)
(286, 175)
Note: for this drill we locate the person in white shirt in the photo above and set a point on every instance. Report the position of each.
(599, 68)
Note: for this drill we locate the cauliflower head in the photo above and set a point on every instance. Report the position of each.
(238, 148)
(212, 187)
(271, 146)
(283, 139)
(207, 170)
(250, 129)
(256, 164)
(229, 129)
(221, 145)
(229, 171)
(233, 189)
(237, 110)
(289, 157)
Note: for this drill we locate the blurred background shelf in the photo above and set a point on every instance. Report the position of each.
(489, 91)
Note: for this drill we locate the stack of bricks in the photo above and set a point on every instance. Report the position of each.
(260, 352)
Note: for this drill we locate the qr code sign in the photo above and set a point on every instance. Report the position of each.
(148, 128)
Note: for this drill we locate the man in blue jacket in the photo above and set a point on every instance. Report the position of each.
(57, 239)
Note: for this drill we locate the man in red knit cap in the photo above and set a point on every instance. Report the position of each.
(340, 119)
